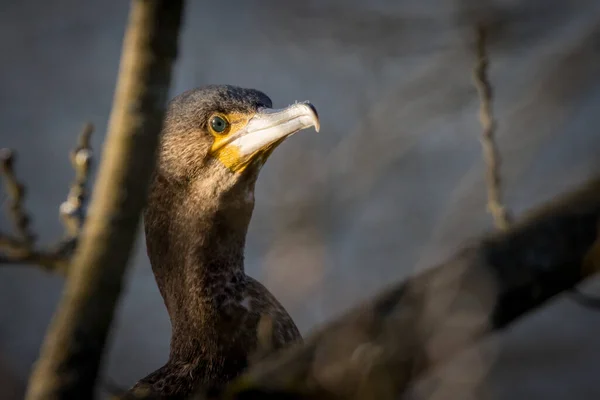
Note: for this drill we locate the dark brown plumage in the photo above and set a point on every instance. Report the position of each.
(199, 207)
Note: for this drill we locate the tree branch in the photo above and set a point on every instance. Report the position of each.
(491, 154)
(16, 193)
(72, 210)
(20, 248)
(380, 348)
(72, 350)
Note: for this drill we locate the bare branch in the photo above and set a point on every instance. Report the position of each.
(74, 344)
(72, 210)
(491, 154)
(21, 249)
(16, 195)
(383, 346)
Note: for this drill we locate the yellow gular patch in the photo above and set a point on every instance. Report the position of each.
(229, 155)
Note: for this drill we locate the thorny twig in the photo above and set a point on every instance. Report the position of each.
(488, 144)
(20, 248)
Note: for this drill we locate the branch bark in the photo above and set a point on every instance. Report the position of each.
(73, 347)
(380, 348)
(489, 147)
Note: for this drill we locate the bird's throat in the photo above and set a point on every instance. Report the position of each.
(195, 243)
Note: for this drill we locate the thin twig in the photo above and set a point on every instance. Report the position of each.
(490, 150)
(72, 210)
(20, 249)
(16, 196)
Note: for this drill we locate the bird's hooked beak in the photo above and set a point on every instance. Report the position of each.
(263, 132)
(270, 126)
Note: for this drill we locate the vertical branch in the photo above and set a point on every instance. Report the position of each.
(491, 154)
(71, 211)
(16, 196)
(72, 350)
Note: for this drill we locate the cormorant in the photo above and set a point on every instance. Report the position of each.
(215, 139)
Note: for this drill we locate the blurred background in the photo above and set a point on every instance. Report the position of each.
(393, 183)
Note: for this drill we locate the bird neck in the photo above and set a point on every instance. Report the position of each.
(195, 241)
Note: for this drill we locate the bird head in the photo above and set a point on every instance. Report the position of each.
(223, 134)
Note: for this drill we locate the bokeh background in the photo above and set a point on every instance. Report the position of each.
(393, 183)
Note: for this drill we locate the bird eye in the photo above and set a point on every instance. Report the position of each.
(218, 124)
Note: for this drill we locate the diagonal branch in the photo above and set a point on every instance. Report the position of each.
(384, 345)
(20, 248)
(491, 152)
